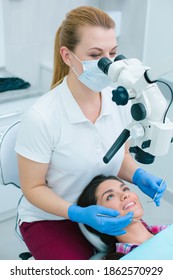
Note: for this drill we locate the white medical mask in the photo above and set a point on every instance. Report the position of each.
(92, 76)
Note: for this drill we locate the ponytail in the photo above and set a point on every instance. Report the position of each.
(60, 68)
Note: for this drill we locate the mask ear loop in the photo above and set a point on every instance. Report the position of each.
(75, 56)
(75, 71)
(73, 67)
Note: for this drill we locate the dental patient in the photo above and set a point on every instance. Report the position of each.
(113, 193)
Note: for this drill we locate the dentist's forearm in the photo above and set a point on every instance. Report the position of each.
(128, 166)
(44, 198)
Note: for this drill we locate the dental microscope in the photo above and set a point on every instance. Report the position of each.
(150, 129)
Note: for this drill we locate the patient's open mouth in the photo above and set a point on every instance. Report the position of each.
(128, 205)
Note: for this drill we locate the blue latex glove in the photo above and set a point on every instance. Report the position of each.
(109, 225)
(149, 184)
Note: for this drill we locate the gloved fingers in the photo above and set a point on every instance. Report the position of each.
(160, 191)
(115, 226)
(153, 185)
(156, 187)
(124, 221)
(162, 187)
(158, 198)
(157, 202)
(157, 184)
(107, 211)
(121, 221)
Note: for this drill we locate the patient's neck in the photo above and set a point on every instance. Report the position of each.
(136, 233)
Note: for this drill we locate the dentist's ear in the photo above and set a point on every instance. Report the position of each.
(66, 55)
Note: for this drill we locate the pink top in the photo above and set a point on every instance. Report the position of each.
(125, 248)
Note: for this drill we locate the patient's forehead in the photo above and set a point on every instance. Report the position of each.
(110, 184)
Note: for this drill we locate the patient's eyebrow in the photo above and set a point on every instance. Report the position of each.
(112, 190)
(108, 191)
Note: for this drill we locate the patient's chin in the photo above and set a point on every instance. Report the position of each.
(138, 216)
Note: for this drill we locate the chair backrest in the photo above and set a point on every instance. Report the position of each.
(8, 156)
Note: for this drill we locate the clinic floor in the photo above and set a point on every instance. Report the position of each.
(10, 245)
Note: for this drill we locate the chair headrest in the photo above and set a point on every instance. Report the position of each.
(93, 239)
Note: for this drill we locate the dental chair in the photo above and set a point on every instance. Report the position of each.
(8, 157)
(98, 244)
(159, 247)
(8, 164)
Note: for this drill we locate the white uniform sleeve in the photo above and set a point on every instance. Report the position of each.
(35, 139)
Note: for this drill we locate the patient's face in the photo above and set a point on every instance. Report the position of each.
(113, 194)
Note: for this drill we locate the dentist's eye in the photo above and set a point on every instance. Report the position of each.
(113, 54)
(95, 55)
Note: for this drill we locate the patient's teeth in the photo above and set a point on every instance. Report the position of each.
(128, 205)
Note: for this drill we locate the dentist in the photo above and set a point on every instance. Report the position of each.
(62, 141)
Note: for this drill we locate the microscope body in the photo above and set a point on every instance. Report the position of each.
(151, 130)
(148, 110)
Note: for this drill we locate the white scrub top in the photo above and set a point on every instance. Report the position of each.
(55, 131)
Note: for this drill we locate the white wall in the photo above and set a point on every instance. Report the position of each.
(30, 28)
(159, 31)
(21, 38)
(133, 21)
(146, 28)
(2, 47)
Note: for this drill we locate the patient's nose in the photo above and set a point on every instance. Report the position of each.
(124, 195)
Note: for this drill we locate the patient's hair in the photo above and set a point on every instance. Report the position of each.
(87, 198)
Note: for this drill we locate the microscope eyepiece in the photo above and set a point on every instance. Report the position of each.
(104, 64)
(119, 57)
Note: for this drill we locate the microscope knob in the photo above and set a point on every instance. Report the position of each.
(120, 96)
(138, 112)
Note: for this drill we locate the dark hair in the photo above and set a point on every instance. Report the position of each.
(87, 198)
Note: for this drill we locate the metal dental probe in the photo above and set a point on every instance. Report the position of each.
(156, 192)
(105, 215)
(108, 216)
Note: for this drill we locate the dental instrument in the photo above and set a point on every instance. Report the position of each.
(108, 216)
(156, 192)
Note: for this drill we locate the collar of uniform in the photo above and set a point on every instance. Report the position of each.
(106, 102)
(73, 110)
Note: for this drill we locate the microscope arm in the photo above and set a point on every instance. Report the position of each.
(125, 134)
(132, 130)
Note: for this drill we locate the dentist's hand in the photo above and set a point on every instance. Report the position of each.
(149, 184)
(112, 225)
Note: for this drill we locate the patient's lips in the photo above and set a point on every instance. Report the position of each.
(129, 205)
